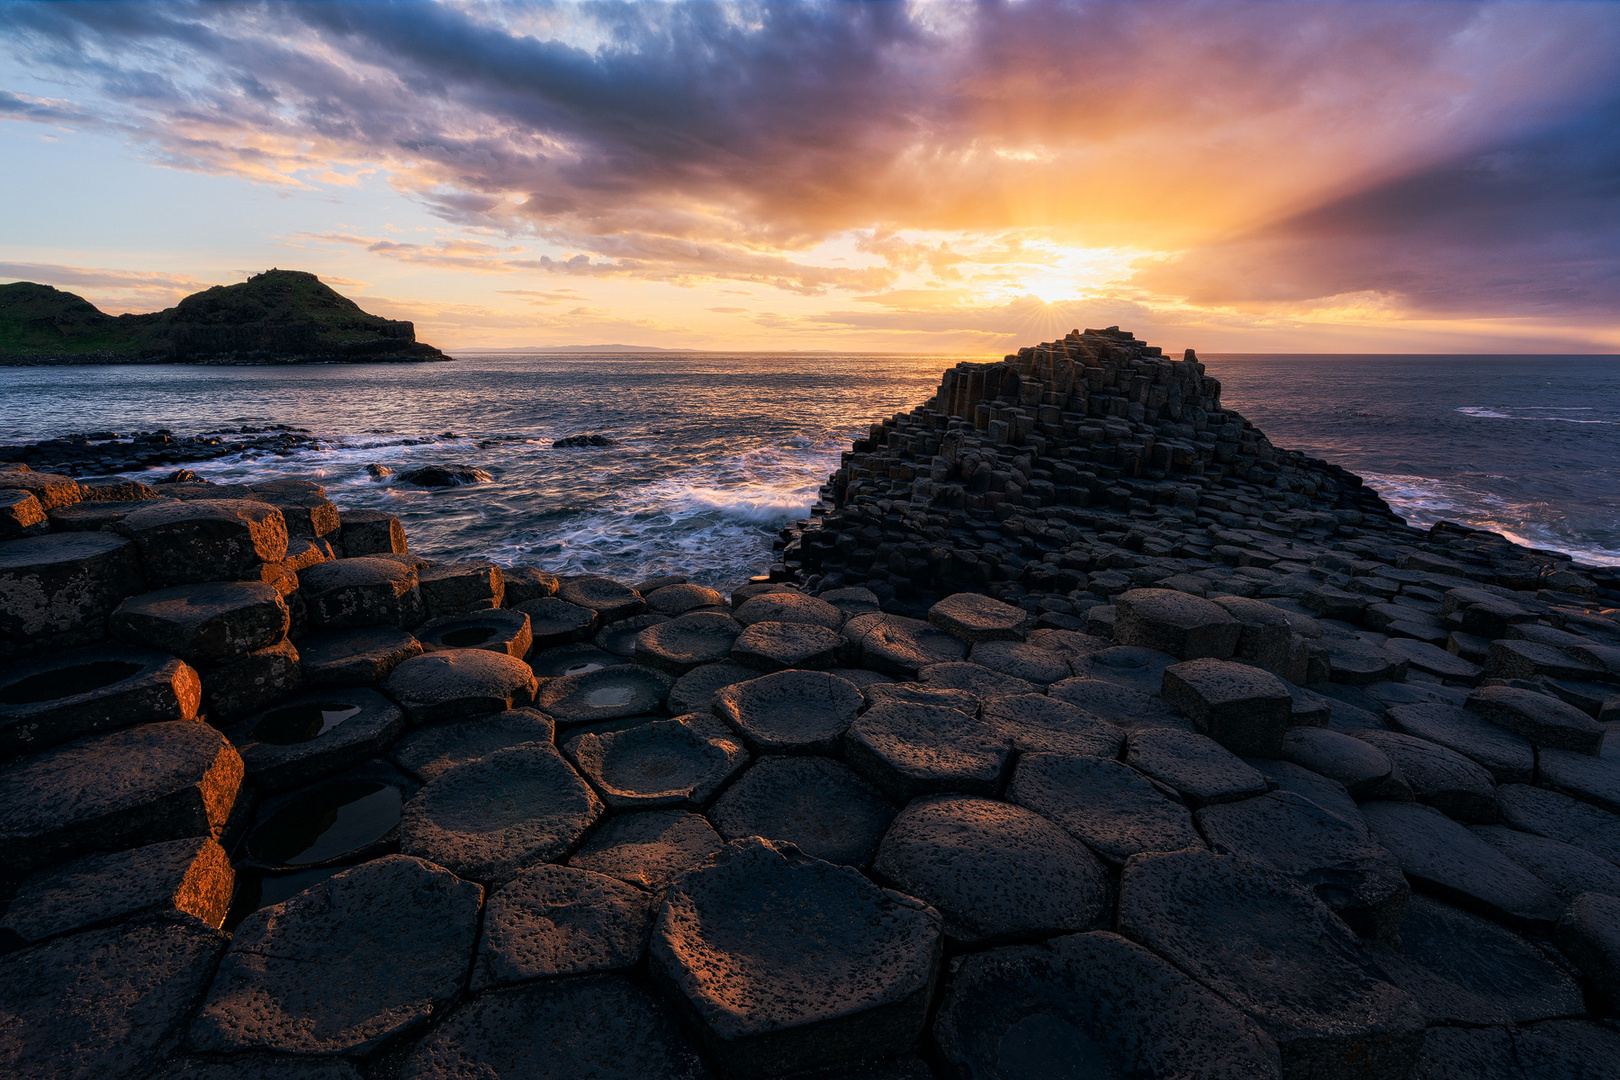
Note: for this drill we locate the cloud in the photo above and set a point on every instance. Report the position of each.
(114, 291)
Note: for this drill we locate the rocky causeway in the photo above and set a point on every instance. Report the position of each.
(1079, 732)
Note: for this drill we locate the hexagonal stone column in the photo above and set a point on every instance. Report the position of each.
(910, 750)
(356, 657)
(59, 589)
(610, 600)
(561, 920)
(367, 591)
(51, 699)
(1112, 808)
(790, 607)
(490, 818)
(1093, 1005)
(1224, 920)
(1185, 626)
(814, 803)
(648, 849)
(212, 623)
(678, 645)
(1245, 709)
(104, 1003)
(899, 646)
(777, 646)
(181, 543)
(347, 965)
(142, 785)
(997, 872)
(785, 962)
(1540, 718)
(792, 712)
(454, 683)
(667, 763)
(494, 630)
(597, 1028)
(973, 617)
(314, 735)
(371, 532)
(604, 694)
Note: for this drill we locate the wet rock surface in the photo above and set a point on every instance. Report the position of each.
(1072, 617)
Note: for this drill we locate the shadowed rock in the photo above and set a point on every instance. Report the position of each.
(1540, 718)
(1365, 771)
(60, 588)
(1185, 626)
(1243, 708)
(975, 679)
(142, 785)
(431, 752)
(493, 631)
(596, 1028)
(1485, 1053)
(667, 763)
(911, 750)
(649, 849)
(1223, 920)
(335, 822)
(995, 872)
(1445, 859)
(899, 646)
(678, 645)
(260, 1067)
(1595, 780)
(1324, 791)
(445, 476)
(694, 691)
(973, 617)
(1093, 1005)
(1444, 779)
(454, 683)
(1119, 705)
(1564, 1049)
(1559, 817)
(678, 599)
(1034, 723)
(554, 622)
(178, 877)
(1113, 809)
(910, 693)
(1357, 663)
(1564, 868)
(789, 607)
(777, 646)
(1200, 769)
(818, 805)
(852, 602)
(619, 638)
(1424, 656)
(324, 973)
(1509, 757)
(314, 735)
(356, 657)
(1589, 934)
(560, 920)
(560, 660)
(204, 539)
(213, 623)
(63, 696)
(1335, 859)
(371, 532)
(785, 962)
(1042, 667)
(792, 712)
(458, 588)
(487, 819)
(249, 684)
(372, 590)
(105, 1003)
(1127, 666)
(610, 600)
(622, 690)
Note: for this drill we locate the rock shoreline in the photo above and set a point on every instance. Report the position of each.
(1080, 732)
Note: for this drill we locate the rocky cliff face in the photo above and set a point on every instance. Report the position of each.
(277, 317)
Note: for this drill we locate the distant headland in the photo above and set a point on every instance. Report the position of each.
(277, 317)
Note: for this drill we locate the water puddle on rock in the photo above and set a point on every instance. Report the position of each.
(301, 723)
(67, 681)
(610, 697)
(326, 823)
(255, 891)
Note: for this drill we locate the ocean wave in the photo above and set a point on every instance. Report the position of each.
(1485, 413)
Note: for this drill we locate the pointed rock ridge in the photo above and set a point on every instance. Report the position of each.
(277, 317)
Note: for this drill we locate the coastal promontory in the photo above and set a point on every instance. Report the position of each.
(277, 317)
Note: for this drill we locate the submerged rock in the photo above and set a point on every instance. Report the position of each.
(444, 476)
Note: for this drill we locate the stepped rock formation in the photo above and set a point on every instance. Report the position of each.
(277, 317)
(1083, 733)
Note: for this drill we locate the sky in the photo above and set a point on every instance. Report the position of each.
(901, 177)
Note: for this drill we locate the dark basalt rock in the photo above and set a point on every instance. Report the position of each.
(1111, 808)
(580, 659)
(1509, 757)
(314, 735)
(197, 540)
(1595, 780)
(1443, 858)
(215, 622)
(1042, 667)
(818, 805)
(1034, 723)
(1358, 663)
(50, 490)
(1541, 718)
(1365, 771)
(59, 589)
(430, 752)
(1564, 1049)
(340, 820)
(104, 1003)
(52, 699)
(610, 600)
(596, 1028)
(493, 631)
(1589, 934)
(1469, 970)
(445, 476)
(1243, 708)
(791, 712)
(909, 693)
(649, 849)
(1121, 706)
(981, 682)
(1424, 656)
(371, 532)
(260, 1067)
(852, 602)
(252, 682)
(324, 973)
(303, 505)
(1559, 817)
(575, 441)
(178, 877)
(1200, 769)
(607, 694)
(450, 589)
(21, 515)
(142, 785)
(777, 646)
(789, 607)
(372, 590)
(785, 962)
(1125, 665)
(1444, 779)
(677, 597)
(910, 750)
(560, 920)
(996, 872)
(678, 645)
(527, 583)
(1333, 857)
(1485, 1053)
(1092, 1005)
(1223, 920)
(899, 646)
(75, 517)
(1324, 791)
(1185, 626)
(453, 683)
(975, 618)
(356, 657)
(1564, 868)
(490, 818)
(667, 763)
(620, 638)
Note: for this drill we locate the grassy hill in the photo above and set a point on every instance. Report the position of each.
(277, 317)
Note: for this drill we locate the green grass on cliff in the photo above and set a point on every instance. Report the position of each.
(285, 312)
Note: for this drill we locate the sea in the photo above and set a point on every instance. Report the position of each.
(715, 452)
